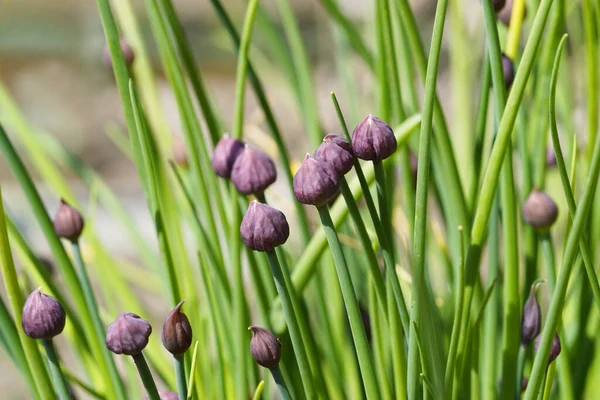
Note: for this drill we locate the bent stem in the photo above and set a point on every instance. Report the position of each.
(292, 322)
(146, 375)
(180, 375)
(356, 326)
(60, 384)
(280, 382)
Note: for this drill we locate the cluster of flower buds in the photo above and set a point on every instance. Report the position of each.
(251, 171)
(265, 347)
(318, 179)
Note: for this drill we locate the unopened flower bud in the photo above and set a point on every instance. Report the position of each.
(550, 157)
(68, 223)
(316, 182)
(127, 51)
(179, 152)
(128, 335)
(265, 347)
(336, 151)
(225, 154)
(43, 316)
(539, 210)
(176, 331)
(554, 349)
(373, 139)
(253, 171)
(263, 227)
(531, 321)
(508, 71)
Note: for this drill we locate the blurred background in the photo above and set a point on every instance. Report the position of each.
(51, 63)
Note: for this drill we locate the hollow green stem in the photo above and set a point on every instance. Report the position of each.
(60, 383)
(94, 313)
(521, 358)
(182, 389)
(356, 326)
(146, 375)
(280, 382)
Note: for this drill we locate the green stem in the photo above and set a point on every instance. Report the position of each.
(280, 382)
(521, 358)
(419, 304)
(146, 375)
(60, 383)
(94, 313)
(292, 322)
(358, 331)
(182, 389)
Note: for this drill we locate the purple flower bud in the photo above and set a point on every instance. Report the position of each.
(128, 335)
(373, 139)
(336, 151)
(508, 70)
(179, 152)
(265, 347)
(43, 316)
(68, 223)
(539, 210)
(253, 171)
(225, 154)
(531, 321)
(316, 182)
(165, 396)
(263, 227)
(554, 349)
(176, 331)
(127, 51)
(550, 157)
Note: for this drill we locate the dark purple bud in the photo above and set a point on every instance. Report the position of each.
(128, 335)
(554, 349)
(263, 227)
(225, 154)
(127, 51)
(336, 151)
(165, 396)
(43, 316)
(531, 321)
(508, 70)
(176, 331)
(373, 139)
(316, 182)
(498, 4)
(179, 152)
(524, 382)
(550, 157)
(265, 347)
(253, 171)
(539, 210)
(68, 223)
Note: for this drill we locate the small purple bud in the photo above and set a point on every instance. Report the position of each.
(43, 316)
(127, 51)
(179, 152)
(128, 335)
(165, 396)
(176, 331)
(531, 321)
(373, 139)
(554, 349)
(265, 347)
(508, 70)
(550, 157)
(253, 171)
(225, 154)
(263, 227)
(68, 223)
(539, 210)
(336, 151)
(316, 182)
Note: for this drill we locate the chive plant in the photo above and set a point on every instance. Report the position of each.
(416, 283)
